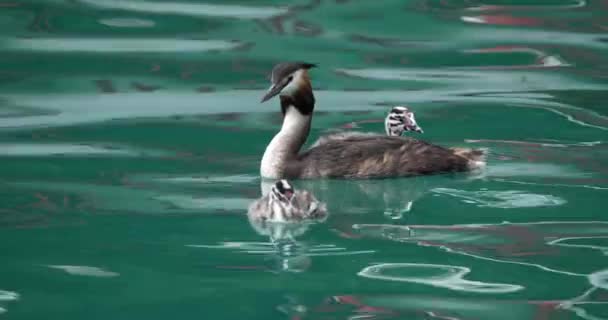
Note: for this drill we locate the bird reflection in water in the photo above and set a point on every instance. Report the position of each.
(282, 214)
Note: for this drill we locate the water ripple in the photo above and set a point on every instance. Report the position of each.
(527, 244)
(227, 179)
(85, 271)
(77, 108)
(116, 45)
(209, 203)
(561, 242)
(51, 149)
(527, 169)
(127, 22)
(503, 199)
(443, 276)
(252, 247)
(7, 296)
(189, 9)
(599, 279)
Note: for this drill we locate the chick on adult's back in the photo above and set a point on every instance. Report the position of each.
(354, 156)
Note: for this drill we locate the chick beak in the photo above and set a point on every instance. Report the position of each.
(414, 128)
(411, 125)
(288, 194)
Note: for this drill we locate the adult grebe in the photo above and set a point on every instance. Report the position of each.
(351, 156)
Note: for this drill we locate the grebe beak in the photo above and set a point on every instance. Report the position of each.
(273, 91)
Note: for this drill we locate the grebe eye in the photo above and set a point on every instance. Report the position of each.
(289, 79)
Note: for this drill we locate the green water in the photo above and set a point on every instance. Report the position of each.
(131, 134)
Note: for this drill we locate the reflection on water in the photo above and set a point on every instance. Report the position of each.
(502, 199)
(86, 271)
(190, 9)
(6, 296)
(131, 134)
(394, 197)
(537, 245)
(443, 276)
(117, 45)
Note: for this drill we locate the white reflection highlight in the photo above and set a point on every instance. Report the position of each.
(534, 265)
(189, 9)
(127, 23)
(252, 247)
(585, 186)
(531, 7)
(450, 238)
(50, 149)
(559, 243)
(521, 169)
(503, 199)
(577, 304)
(599, 279)
(228, 179)
(210, 203)
(101, 45)
(85, 271)
(451, 277)
(8, 295)
(79, 108)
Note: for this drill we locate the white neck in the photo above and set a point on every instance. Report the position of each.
(286, 144)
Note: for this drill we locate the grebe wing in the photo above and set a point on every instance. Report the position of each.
(342, 135)
(368, 156)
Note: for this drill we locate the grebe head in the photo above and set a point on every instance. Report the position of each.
(288, 78)
(282, 191)
(399, 120)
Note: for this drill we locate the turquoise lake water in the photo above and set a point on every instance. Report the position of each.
(131, 134)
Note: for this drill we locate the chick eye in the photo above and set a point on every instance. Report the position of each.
(289, 79)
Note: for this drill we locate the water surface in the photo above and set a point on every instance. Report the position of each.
(131, 134)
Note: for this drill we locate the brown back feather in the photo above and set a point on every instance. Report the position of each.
(376, 157)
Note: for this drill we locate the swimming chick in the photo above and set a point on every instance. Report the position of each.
(284, 204)
(351, 156)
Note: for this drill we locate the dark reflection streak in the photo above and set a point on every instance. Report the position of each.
(230, 116)
(205, 89)
(10, 78)
(384, 42)
(188, 71)
(516, 15)
(264, 26)
(244, 47)
(106, 86)
(9, 4)
(477, 6)
(40, 22)
(307, 29)
(277, 23)
(143, 87)
(579, 6)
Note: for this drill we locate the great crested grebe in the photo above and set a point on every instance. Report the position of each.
(284, 204)
(350, 156)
